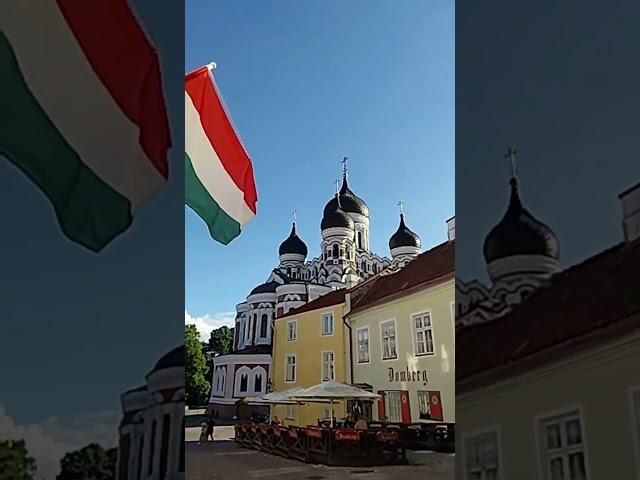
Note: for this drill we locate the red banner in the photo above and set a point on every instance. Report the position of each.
(388, 436)
(314, 432)
(348, 434)
(435, 405)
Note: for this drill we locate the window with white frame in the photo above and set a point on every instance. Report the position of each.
(328, 366)
(481, 456)
(290, 413)
(290, 370)
(423, 405)
(327, 413)
(393, 406)
(327, 324)
(292, 330)
(562, 447)
(362, 338)
(388, 335)
(423, 334)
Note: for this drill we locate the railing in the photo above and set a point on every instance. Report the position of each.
(337, 446)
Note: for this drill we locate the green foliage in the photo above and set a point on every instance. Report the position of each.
(221, 341)
(15, 462)
(195, 368)
(92, 462)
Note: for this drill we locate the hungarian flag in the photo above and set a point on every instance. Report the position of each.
(219, 184)
(83, 113)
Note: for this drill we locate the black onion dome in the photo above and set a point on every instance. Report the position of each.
(174, 358)
(519, 233)
(293, 244)
(349, 201)
(404, 237)
(269, 287)
(336, 217)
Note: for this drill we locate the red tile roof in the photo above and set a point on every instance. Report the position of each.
(581, 307)
(433, 266)
(334, 297)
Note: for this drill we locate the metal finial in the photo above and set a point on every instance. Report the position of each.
(511, 155)
(344, 164)
(401, 205)
(294, 216)
(337, 186)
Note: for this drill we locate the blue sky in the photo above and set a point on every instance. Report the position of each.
(307, 83)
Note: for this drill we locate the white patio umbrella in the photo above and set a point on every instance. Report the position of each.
(333, 391)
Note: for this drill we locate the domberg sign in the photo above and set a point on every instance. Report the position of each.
(408, 375)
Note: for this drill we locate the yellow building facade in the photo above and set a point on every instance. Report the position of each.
(403, 341)
(309, 348)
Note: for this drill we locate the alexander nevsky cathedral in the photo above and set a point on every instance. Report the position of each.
(345, 259)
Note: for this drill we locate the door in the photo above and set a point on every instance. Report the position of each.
(382, 416)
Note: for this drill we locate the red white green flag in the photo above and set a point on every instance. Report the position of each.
(219, 183)
(83, 112)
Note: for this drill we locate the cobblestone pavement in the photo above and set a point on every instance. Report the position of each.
(224, 460)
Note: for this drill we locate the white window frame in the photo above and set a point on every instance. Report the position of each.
(322, 362)
(290, 412)
(295, 367)
(543, 457)
(293, 322)
(333, 324)
(387, 404)
(634, 410)
(368, 346)
(424, 329)
(395, 329)
(477, 433)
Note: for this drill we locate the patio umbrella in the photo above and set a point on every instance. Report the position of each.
(333, 391)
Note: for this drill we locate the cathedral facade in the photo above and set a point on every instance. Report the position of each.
(345, 260)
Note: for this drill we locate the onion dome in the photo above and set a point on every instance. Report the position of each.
(269, 287)
(174, 358)
(335, 216)
(349, 201)
(293, 244)
(404, 237)
(519, 233)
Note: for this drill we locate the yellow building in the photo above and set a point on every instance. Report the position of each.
(309, 348)
(402, 340)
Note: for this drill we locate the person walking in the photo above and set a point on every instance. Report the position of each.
(211, 423)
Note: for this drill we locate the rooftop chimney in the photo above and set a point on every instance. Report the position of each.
(451, 228)
(630, 200)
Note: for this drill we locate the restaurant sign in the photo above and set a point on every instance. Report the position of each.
(347, 434)
(407, 375)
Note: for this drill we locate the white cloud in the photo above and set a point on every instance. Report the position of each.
(48, 441)
(206, 323)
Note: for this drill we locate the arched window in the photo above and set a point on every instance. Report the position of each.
(289, 271)
(328, 254)
(257, 386)
(243, 382)
(364, 266)
(341, 253)
(359, 239)
(264, 322)
(335, 251)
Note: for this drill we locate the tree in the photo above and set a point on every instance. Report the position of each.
(92, 462)
(15, 462)
(195, 368)
(221, 341)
